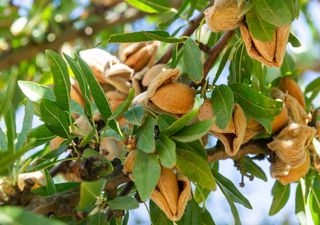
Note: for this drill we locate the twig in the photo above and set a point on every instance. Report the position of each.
(194, 24)
(218, 153)
(215, 52)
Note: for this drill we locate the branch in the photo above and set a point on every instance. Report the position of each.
(254, 147)
(193, 25)
(215, 52)
(15, 56)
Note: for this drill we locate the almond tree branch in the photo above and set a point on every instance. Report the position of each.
(15, 56)
(254, 147)
(193, 25)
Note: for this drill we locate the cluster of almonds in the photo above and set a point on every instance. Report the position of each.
(173, 190)
(292, 135)
(225, 15)
(291, 145)
(159, 90)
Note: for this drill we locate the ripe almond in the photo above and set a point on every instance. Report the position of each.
(292, 88)
(176, 98)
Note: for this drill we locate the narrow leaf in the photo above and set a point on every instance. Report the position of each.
(222, 105)
(192, 60)
(167, 151)
(281, 195)
(195, 168)
(54, 118)
(61, 79)
(146, 173)
(193, 132)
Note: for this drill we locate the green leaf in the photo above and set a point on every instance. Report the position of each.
(124, 106)
(26, 126)
(201, 194)
(40, 135)
(61, 79)
(143, 36)
(300, 209)
(51, 187)
(82, 84)
(222, 105)
(10, 122)
(146, 141)
(280, 195)
(123, 203)
(294, 41)
(314, 199)
(251, 167)
(35, 92)
(228, 187)
(254, 103)
(195, 168)
(97, 93)
(157, 216)
(60, 187)
(167, 151)
(54, 118)
(135, 115)
(233, 208)
(3, 142)
(277, 13)
(192, 60)
(150, 6)
(192, 214)
(259, 28)
(180, 123)
(11, 215)
(193, 132)
(146, 173)
(98, 219)
(206, 218)
(89, 192)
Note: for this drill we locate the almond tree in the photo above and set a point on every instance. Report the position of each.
(127, 123)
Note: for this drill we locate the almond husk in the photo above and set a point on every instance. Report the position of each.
(233, 135)
(139, 55)
(269, 53)
(291, 142)
(37, 177)
(280, 120)
(224, 15)
(110, 148)
(286, 174)
(55, 143)
(98, 59)
(152, 73)
(183, 103)
(289, 86)
(253, 128)
(296, 111)
(172, 194)
(104, 65)
(129, 163)
(175, 98)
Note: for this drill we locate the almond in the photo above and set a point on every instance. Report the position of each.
(224, 15)
(176, 98)
(270, 53)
